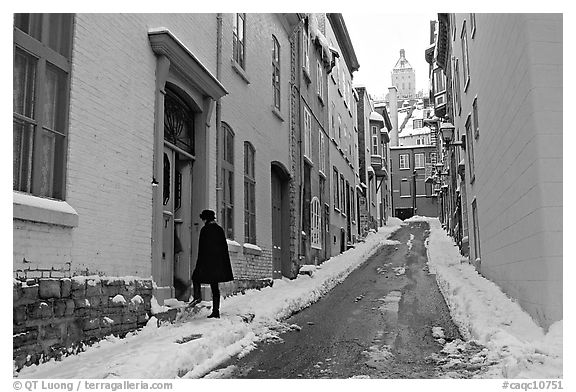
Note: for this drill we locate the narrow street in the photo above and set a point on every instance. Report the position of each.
(378, 323)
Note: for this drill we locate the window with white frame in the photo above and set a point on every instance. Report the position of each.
(239, 41)
(375, 140)
(336, 188)
(465, 60)
(322, 152)
(307, 134)
(342, 195)
(249, 194)
(316, 223)
(475, 118)
(404, 161)
(276, 71)
(227, 165)
(306, 50)
(419, 161)
(42, 51)
(470, 149)
(319, 81)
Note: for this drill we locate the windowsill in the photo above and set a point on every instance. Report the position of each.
(277, 113)
(42, 210)
(252, 249)
(333, 78)
(233, 246)
(306, 75)
(467, 84)
(405, 197)
(318, 247)
(350, 112)
(337, 209)
(405, 168)
(240, 71)
(321, 174)
(320, 98)
(340, 92)
(473, 179)
(308, 161)
(473, 32)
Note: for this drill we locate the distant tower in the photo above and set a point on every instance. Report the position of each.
(404, 78)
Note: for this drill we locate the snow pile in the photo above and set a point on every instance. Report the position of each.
(516, 345)
(194, 345)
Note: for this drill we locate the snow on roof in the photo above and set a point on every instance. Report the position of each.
(376, 117)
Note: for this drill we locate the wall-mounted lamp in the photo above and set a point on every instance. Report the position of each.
(447, 132)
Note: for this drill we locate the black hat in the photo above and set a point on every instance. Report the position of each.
(208, 215)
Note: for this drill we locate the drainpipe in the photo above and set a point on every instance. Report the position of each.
(218, 115)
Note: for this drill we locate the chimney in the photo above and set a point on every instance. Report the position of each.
(393, 105)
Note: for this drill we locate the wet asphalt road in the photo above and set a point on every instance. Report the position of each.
(377, 323)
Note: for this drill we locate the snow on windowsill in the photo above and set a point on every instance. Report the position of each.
(252, 249)
(233, 246)
(44, 210)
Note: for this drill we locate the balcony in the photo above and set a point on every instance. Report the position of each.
(440, 104)
(376, 162)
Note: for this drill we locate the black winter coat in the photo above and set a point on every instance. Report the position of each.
(213, 264)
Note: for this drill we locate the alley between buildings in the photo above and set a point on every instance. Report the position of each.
(386, 320)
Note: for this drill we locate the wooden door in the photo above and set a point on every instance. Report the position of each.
(167, 262)
(276, 226)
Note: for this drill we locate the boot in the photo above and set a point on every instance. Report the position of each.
(215, 306)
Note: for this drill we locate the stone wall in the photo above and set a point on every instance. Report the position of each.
(57, 316)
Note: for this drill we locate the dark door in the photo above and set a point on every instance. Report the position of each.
(276, 225)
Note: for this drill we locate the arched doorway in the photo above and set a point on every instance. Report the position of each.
(280, 179)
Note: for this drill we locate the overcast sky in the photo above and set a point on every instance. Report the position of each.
(377, 40)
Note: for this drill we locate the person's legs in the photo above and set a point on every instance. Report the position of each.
(196, 293)
(215, 300)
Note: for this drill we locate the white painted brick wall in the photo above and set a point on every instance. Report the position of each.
(516, 72)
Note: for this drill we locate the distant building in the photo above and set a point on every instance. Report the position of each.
(411, 170)
(404, 77)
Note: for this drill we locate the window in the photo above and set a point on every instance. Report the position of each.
(249, 194)
(420, 187)
(305, 51)
(319, 81)
(307, 134)
(375, 140)
(322, 154)
(239, 40)
(276, 71)
(404, 161)
(439, 81)
(342, 195)
(433, 158)
(227, 165)
(470, 149)
(316, 223)
(418, 123)
(404, 188)
(352, 204)
(336, 188)
(419, 161)
(472, 25)
(457, 86)
(475, 222)
(475, 118)
(339, 128)
(466, 65)
(41, 78)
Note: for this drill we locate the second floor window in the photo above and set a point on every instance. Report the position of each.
(322, 155)
(470, 149)
(307, 134)
(249, 195)
(404, 161)
(239, 39)
(276, 71)
(419, 161)
(375, 140)
(41, 83)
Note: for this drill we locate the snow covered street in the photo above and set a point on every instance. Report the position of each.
(195, 345)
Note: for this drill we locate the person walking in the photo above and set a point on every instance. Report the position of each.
(213, 263)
